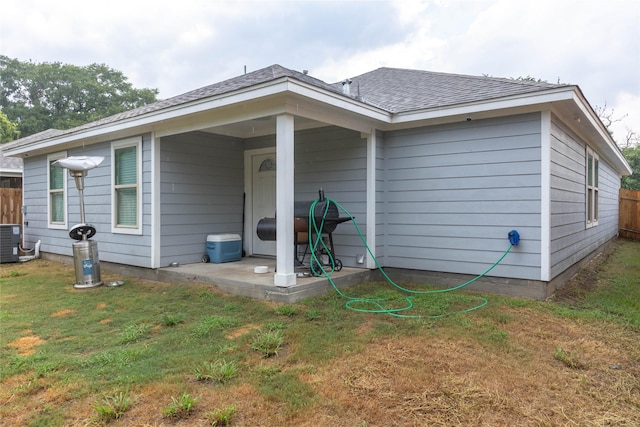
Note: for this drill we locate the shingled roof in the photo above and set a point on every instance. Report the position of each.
(392, 89)
(399, 90)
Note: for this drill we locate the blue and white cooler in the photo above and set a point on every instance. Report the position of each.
(224, 247)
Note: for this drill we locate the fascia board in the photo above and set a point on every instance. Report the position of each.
(11, 172)
(147, 121)
(598, 126)
(509, 103)
(339, 101)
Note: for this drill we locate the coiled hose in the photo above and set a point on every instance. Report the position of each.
(318, 245)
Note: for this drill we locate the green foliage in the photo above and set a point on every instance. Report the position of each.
(172, 319)
(209, 323)
(114, 406)
(219, 371)
(41, 96)
(632, 154)
(287, 310)
(134, 333)
(222, 417)
(8, 129)
(180, 407)
(570, 360)
(268, 342)
(312, 314)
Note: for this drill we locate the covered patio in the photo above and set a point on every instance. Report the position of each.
(240, 278)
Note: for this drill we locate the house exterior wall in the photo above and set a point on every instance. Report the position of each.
(570, 239)
(118, 248)
(333, 159)
(201, 186)
(453, 192)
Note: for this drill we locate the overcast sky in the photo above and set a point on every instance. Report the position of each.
(175, 46)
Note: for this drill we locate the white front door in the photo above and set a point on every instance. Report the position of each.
(263, 198)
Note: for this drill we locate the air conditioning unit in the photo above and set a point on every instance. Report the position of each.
(10, 243)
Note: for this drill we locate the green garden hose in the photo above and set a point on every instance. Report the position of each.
(317, 268)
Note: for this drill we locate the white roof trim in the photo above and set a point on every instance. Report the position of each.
(147, 120)
(516, 101)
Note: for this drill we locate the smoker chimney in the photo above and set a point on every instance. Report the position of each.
(346, 87)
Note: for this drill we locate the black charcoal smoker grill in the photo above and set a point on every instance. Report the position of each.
(266, 230)
(85, 251)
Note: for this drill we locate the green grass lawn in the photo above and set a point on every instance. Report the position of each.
(75, 356)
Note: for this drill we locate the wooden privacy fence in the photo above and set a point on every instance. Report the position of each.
(629, 222)
(10, 206)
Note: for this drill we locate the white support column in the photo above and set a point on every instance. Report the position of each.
(371, 197)
(545, 197)
(285, 274)
(155, 201)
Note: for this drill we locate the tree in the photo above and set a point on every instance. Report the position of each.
(8, 129)
(41, 96)
(632, 154)
(629, 146)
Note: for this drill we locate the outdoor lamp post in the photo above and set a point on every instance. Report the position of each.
(85, 251)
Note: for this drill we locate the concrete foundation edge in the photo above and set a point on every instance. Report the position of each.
(521, 288)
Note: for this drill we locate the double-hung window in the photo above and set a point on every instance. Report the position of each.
(57, 189)
(593, 164)
(126, 188)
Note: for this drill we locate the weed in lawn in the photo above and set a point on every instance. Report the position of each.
(222, 417)
(13, 273)
(569, 359)
(45, 367)
(172, 319)
(180, 407)
(209, 323)
(312, 314)
(114, 406)
(287, 310)
(135, 333)
(219, 371)
(268, 342)
(274, 326)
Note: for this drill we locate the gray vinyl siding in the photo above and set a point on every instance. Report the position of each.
(453, 192)
(202, 186)
(570, 239)
(334, 159)
(35, 197)
(118, 248)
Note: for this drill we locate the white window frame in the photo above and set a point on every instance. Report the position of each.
(592, 189)
(65, 195)
(125, 229)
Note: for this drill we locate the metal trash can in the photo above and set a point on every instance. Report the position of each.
(87, 264)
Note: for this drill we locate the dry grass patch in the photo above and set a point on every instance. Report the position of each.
(242, 331)
(63, 313)
(25, 346)
(420, 381)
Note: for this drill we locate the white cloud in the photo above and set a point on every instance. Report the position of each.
(179, 46)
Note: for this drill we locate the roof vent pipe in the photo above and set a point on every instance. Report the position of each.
(346, 87)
